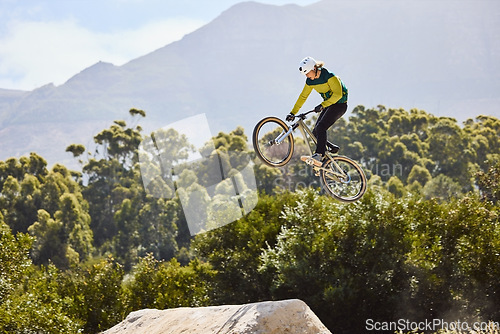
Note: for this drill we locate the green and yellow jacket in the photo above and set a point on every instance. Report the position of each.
(330, 87)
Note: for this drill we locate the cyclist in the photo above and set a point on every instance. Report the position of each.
(334, 105)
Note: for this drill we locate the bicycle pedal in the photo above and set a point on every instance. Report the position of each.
(307, 160)
(310, 161)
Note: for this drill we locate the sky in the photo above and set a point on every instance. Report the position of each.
(49, 41)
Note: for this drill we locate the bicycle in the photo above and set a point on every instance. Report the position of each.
(340, 176)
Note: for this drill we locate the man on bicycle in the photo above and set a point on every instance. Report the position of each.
(334, 105)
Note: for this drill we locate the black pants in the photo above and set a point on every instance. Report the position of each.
(326, 119)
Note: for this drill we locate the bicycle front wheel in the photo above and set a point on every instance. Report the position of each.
(270, 142)
(343, 179)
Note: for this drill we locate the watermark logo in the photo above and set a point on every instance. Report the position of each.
(293, 178)
(214, 187)
(405, 325)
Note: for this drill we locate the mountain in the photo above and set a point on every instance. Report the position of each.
(440, 56)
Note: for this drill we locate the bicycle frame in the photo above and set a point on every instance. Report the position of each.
(340, 176)
(305, 131)
(308, 137)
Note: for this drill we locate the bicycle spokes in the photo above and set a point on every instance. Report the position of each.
(273, 142)
(343, 179)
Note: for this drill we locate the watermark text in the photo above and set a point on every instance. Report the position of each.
(405, 325)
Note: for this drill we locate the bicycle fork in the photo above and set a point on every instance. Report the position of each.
(282, 136)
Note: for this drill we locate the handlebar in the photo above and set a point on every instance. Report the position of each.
(303, 115)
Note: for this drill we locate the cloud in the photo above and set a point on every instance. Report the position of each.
(36, 53)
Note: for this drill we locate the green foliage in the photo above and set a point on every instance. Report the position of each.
(32, 165)
(76, 149)
(234, 251)
(95, 293)
(386, 258)
(489, 183)
(14, 260)
(50, 206)
(442, 187)
(156, 284)
(413, 146)
(419, 174)
(395, 186)
(82, 250)
(20, 189)
(135, 111)
(125, 220)
(391, 142)
(346, 256)
(29, 300)
(484, 136)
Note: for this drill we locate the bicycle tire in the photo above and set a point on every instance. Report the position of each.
(270, 153)
(345, 190)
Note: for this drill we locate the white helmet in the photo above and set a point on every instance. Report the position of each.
(307, 64)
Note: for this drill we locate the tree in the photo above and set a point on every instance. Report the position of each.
(14, 260)
(76, 149)
(489, 183)
(419, 174)
(29, 299)
(386, 258)
(62, 228)
(33, 165)
(395, 186)
(50, 244)
(367, 127)
(454, 258)
(442, 187)
(157, 284)
(76, 221)
(48, 204)
(96, 294)
(233, 251)
(131, 213)
(330, 255)
(20, 182)
(484, 134)
(397, 154)
(449, 148)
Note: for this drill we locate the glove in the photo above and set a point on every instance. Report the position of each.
(319, 108)
(290, 117)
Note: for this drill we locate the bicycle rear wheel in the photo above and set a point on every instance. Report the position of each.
(343, 179)
(269, 149)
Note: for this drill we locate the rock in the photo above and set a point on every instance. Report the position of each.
(273, 317)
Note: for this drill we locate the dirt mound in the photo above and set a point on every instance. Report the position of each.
(287, 316)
